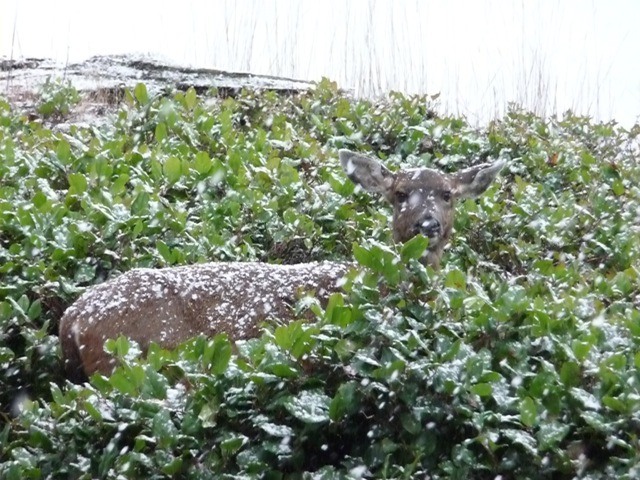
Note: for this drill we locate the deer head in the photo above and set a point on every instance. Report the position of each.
(423, 199)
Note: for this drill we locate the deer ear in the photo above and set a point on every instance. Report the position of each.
(472, 182)
(367, 172)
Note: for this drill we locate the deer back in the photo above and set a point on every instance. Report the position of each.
(171, 305)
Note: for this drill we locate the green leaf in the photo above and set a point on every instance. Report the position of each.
(140, 92)
(161, 132)
(287, 174)
(588, 399)
(40, 200)
(482, 389)
(202, 163)
(295, 337)
(102, 384)
(119, 185)
(336, 313)
(528, 412)
(286, 335)
(581, 349)
(155, 385)
(38, 437)
(362, 255)
(491, 377)
(618, 187)
(233, 444)
(119, 347)
(391, 269)
(173, 468)
(120, 381)
(77, 183)
(63, 152)
(93, 411)
(456, 279)
(140, 203)
(310, 406)
(173, 169)
(521, 438)
(373, 257)
(218, 172)
(335, 300)
(164, 430)
(208, 414)
(23, 303)
(615, 404)
(570, 374)
(344, 349)
(344, 402)
(6, 354)
(283, 371)
(35, 310)
(551, 434)
(165, 252)
(411, 424)
(191, 98)
(217, 354)
(414, 248)
(291, 216)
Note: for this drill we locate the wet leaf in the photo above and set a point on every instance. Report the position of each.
(414, 248)
(528, 412)
(310, 406)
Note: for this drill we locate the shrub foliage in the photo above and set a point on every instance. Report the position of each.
(519, 358)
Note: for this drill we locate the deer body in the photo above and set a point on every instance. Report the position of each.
(171, 305)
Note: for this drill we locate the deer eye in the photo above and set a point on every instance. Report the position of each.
(446, 195)
(401, 197)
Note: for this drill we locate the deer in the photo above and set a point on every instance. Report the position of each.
(171, 305)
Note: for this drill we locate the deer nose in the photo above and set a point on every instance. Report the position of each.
(429, 227)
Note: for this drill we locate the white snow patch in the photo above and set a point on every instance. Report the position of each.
(19, 403)
(359, 472)
(350, 167)
(415, 198)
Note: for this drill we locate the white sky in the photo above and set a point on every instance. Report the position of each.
(549, 55)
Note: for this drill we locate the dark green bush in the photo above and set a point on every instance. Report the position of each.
(519, 358)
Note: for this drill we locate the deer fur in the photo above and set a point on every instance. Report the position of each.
(168, 306)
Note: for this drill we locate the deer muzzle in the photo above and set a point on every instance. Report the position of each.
(429, 227)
